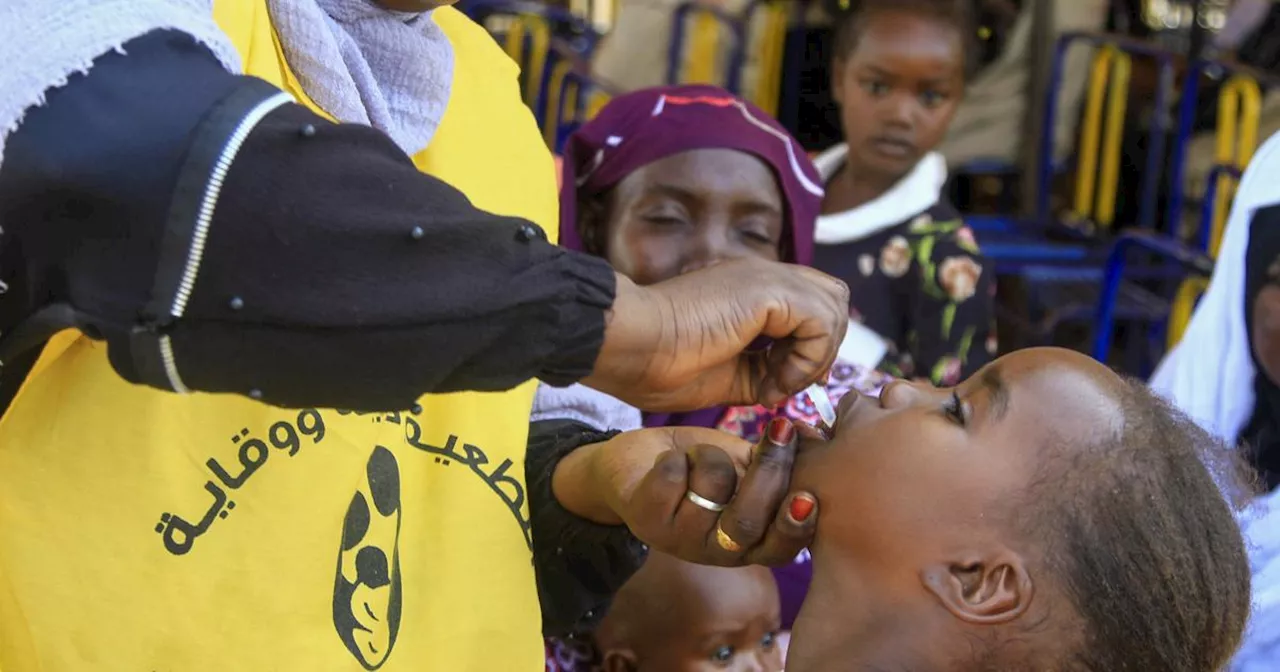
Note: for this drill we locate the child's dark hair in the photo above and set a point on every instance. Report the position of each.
(1139, 536)
(852, 17)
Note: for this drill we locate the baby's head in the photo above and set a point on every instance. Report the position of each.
(1044, 515)
(898, 77)
(673, 616)
(668, 180)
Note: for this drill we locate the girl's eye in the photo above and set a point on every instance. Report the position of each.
(876, 88)
(955, 410)
(932, 98)
(769, 639)
(722, 654)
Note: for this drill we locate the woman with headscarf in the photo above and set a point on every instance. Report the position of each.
(669, 180)
(1224, 371)
(172, 224)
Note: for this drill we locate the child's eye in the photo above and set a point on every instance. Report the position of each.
(955, 410)
(722, 654)
(876, 88)
(932, 98)
(769, 639)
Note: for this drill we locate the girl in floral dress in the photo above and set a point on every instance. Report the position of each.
(915, 274)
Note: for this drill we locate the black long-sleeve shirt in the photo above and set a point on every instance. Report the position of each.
(326, 245)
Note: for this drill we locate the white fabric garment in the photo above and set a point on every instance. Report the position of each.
(367, 65)
(583, 404)
(1209, 375)
(43, 42)
(1260, 650)
(912, 195)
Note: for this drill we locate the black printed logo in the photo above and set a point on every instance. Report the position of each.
(366, 592)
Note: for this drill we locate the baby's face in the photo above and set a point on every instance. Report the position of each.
(919, 490)
(718, 619)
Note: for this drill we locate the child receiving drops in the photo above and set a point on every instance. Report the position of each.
(1043, 515)
(916, 276)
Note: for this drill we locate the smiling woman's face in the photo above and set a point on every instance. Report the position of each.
(916, 489)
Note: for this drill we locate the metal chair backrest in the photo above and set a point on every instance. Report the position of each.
(766, 25)
(699, 54)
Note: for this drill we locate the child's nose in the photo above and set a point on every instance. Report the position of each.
(903, 394)
(899, 110)
(753, 663)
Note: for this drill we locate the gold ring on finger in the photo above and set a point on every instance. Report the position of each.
(726, 542)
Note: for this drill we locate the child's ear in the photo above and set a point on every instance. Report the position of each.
(983, 589)
(620, 660)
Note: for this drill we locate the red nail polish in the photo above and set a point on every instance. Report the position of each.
(801, 507)
(781, 431)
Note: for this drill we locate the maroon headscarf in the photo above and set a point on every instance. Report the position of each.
(638, 128)
(641, 127)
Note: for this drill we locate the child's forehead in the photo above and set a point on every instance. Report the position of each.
(888, 28)
(1057, 372)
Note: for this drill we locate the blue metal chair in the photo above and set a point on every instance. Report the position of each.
(1014, 244)
(1059, 259)
(545, 41)
(1236, 135)
(1190, 261)
(573, 98)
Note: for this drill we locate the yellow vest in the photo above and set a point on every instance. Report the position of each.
(145, 531)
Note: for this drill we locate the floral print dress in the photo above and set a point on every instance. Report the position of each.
(923, 286)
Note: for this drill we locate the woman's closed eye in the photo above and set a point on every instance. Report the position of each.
(666, 218)
(758, 234)
(956, 409)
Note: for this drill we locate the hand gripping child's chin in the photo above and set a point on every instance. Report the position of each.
(1046, 514)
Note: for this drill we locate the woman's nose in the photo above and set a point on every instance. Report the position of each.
(709, 249)
(700, 262)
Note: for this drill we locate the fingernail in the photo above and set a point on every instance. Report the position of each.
(801, 508)
(781, 431)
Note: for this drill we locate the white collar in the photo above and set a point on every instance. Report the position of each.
(912, 195)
